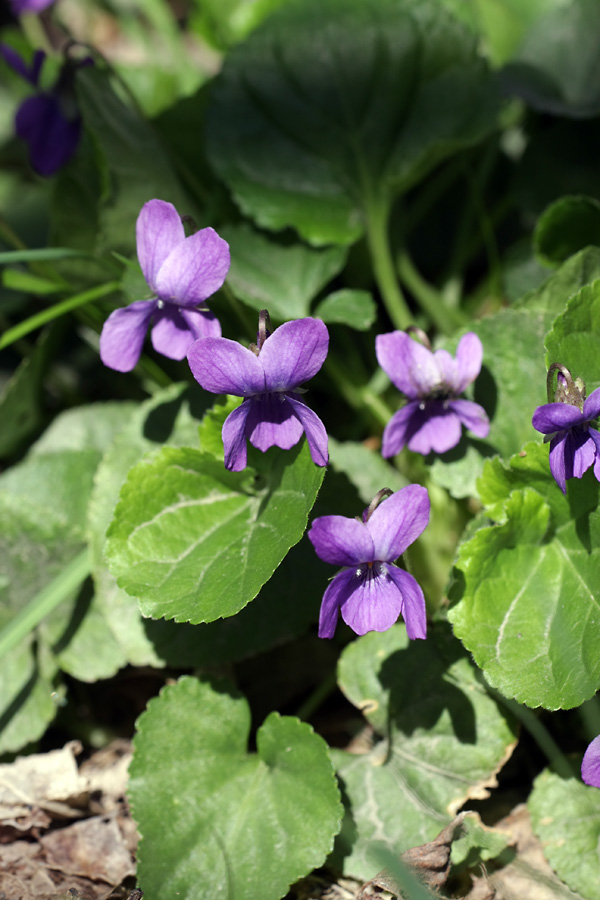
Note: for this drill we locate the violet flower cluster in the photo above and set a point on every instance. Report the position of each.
(370, 592)
(432, 382)
(182, 272)
(49, 122)
(574, 444)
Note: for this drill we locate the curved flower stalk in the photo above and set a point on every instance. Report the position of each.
(590, 765)
(268, 376)
(49, 122)
(182, 272)
(574, 445)
(432, 382)
(369, 591)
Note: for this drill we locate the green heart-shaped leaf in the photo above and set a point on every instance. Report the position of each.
(239, 825)
(195, 542)
(440, 739)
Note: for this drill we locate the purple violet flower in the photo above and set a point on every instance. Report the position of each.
(590, 766)
(182, 272)
(49, 122)
(574, 445)
(268, 376)
(29, 6)
(370, 592)
(432, 381)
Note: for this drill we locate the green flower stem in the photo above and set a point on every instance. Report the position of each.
(241, 312)
(53, 312)
(431, 301)
(359, 398)
(44, 602)
(9, 236)
(538, 732)
(318, 697)
(377, 220)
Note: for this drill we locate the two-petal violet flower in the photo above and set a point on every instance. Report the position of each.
(369, 591)
(574, 445)
(590, 766)
(181, 272)
(432, 382)
(49, 122)
(268, 377)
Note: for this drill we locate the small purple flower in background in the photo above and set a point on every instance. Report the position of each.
(49, 122)
(574, 446)
(590, 766)
(268, 376)
(370, 592)
(431, 381)
(29, 6)
(182, 272)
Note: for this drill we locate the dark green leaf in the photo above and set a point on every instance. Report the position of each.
(354, 308)
(566, 227)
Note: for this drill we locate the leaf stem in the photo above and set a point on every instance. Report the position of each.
(44, 602)
(377, 212)
(430, 300)
(53, 312)
(538, 732)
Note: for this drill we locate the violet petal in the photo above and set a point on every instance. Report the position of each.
(591, 406)
(341, 541)
(469, 356)
(580, 453)
(398, 521)
(123, 335)
(472, 416)
(194, 269)
(316, 435)
(553, 417)
(222, 366)
(557, 460)
(52, 139)
(590, 766)
(17, 63)
(272, 423)
(434, 428)
(371, 601)
(202, 323)
(234, 437)
(397, 429)
(294, 353)
(171, 335)
(158, 231)
(29, 6)
(330, 604)
(414, 611)
(410, 365)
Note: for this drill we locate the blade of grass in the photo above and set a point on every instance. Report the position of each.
(53, 312)
(45, 601)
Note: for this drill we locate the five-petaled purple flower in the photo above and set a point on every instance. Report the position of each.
(370, 592)
(49, 122)
(182, 272)
(574, 446)
(432, 381)
(590, 766)
(268, 376)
